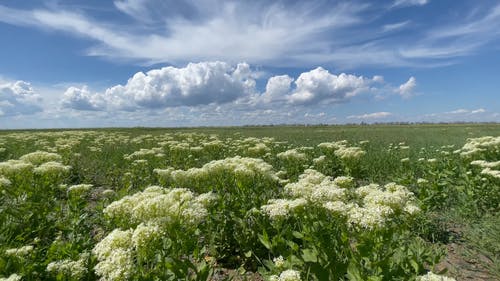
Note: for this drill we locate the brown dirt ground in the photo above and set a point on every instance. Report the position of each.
(464, 263)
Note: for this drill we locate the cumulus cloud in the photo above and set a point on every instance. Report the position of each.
(18, 98)
(217, 83)
(319, 85)
(277, 88)
(82, 99)
(375, 115)
(196, 84)
(407, 89)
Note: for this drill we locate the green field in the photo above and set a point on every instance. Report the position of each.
(374, 202)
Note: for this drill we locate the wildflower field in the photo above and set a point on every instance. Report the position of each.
(379, 202)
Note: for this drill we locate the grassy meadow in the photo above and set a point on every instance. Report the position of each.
(374, 202)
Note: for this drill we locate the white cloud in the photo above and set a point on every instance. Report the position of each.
(304, 33)
(466, 111)
(315, 115)
(319, 85)
(406, 3)
(18, 98)
(395, 26)
(277, 88)
(196, 84)
(298, 33)
(479, 110)
(375, 115)
(457, 39)
(217, 83)
(134, 8)
(211, 30)
(407, 89)
(458, 111)
(82, 99)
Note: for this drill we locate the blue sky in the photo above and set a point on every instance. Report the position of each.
(196, 63)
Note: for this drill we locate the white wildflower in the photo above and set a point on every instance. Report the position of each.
(344, 181)
(52, 168)
(145, 236)
(14, 167)
(118, 266)
(79, 190)
(74, 269)
(39, 157)
(411, 209)
(279, 262)
(434, 277)
(282, 208)
(338, 207)
(290, 275)
(19, 252)
(292, 155)
(422, 181)
(12, 277)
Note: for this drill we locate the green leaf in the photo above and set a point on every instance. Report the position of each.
(353, 272)
(310, 255)
(415, 265)
(297, 235)
(264, 239)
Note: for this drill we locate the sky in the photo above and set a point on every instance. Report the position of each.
(173, 63)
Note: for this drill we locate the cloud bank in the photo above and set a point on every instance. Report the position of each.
(220, 83)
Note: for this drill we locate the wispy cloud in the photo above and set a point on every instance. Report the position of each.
(395, 26)
(307, 33)
(458, 114)
(375, 115)
(466, 111)
(406, 3)
(457, 39)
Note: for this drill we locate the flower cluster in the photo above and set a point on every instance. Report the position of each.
(51, 169)
(13, 167)
(287, 275)
(430, 276)
(292, 155)
(40, 157)
(12, 277)
(79, 190)
(21, 252)
(342, 150)
(241, 168)
(148, 213)
(477, 146)
(365, 207)
(70, 268)
(259, 149)
(115, 255)
(159, 205)
(282, 208)
(318, 188)
(144, 153)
